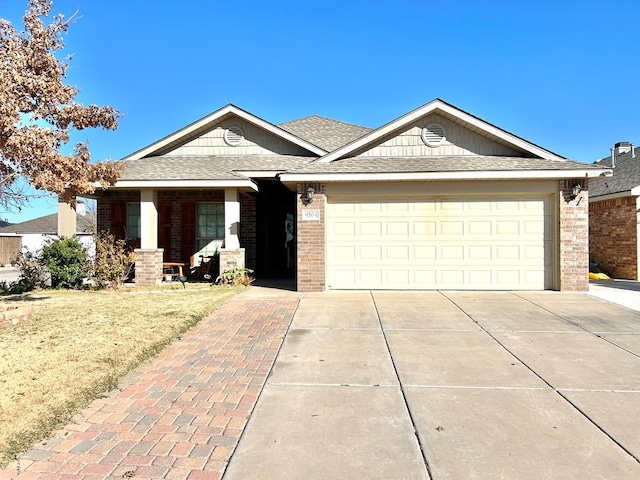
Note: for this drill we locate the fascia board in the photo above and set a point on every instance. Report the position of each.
(383, 177)
(212, 118)
(612, 196)
(133, 184)
(449, 109)
(258, 173)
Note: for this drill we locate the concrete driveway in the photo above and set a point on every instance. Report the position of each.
(449, 385)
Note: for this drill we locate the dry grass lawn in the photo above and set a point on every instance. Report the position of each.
(78, 344)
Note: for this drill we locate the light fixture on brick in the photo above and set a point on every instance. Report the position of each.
(308, 198)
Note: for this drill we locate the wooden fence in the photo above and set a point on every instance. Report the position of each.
(10, 247)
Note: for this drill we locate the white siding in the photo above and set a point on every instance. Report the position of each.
(459, 141)
(256, 141)
(35, 241)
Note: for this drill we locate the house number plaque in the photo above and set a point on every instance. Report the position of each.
(311, 215)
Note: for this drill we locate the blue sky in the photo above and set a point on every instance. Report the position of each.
(563, 74)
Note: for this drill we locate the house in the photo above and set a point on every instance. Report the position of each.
(613, 214)
(36, 232)
(435, 199)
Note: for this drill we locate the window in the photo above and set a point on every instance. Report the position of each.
(209, 227)
(133, 221)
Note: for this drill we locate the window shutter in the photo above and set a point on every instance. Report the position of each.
(188, 235)
(119, 220)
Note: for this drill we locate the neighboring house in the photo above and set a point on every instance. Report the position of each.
(613, 214)
(36, 232)
(435, 199)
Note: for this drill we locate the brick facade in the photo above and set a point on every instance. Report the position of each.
(574, 237)
(175, 199)
(613, 236)
(311, 241)
(231, 258)
(148, 266)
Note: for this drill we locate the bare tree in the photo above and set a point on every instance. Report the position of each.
(38, 110)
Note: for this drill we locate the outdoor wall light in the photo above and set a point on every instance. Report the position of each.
(309, 198)
(575, 191)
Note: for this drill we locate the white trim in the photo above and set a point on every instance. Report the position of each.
(212, 118)
(431, 107)
(258, 173)
(122, 184)
(478, 175)
(613, 196)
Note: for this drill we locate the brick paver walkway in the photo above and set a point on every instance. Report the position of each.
(180, 415)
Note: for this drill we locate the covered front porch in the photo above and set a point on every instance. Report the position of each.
(239, 226)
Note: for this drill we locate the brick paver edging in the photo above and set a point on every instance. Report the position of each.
(180, 415)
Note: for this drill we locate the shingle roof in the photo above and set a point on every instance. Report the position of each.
(207, 167)
(440, 164)
(626, 175)
(325, 133)
(48, 225)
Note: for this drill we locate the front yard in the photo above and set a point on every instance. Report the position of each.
(78, 344)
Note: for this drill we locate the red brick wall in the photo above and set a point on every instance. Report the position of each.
(176, 198)
(613, 236)
(574, 237)
(311, 241)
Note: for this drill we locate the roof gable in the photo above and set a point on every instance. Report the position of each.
(458, 141)
(201, 129)
(453, 115)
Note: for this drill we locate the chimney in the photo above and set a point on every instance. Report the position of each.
(622, 147)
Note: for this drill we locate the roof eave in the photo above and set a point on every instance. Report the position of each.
(417, 176)
(136, 184)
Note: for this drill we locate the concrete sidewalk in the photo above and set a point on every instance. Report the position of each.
(495, 385)
(621, 292)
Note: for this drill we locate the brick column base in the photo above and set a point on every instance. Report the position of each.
(231, 258)
(148, 266)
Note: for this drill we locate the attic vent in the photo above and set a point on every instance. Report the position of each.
(433, 134)
(233, 136)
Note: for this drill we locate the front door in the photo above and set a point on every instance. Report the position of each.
(276, 242)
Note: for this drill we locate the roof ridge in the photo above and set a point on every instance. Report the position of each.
(315, 115)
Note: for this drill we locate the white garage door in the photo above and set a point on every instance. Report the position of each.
(439, 243)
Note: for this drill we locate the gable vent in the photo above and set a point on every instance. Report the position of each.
(233, 136)
(433, 134)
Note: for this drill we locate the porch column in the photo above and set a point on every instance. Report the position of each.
(148, 219)
(148, 256)
(66, 215)
(231, 218)
(231, 256)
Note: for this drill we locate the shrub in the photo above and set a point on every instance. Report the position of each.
(66, 260)
(32, 274)
(235, 276)
(112, 262)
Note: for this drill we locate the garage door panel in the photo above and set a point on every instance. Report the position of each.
(499, 243)
(370, 229)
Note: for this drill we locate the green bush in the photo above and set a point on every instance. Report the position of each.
(66, 260)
